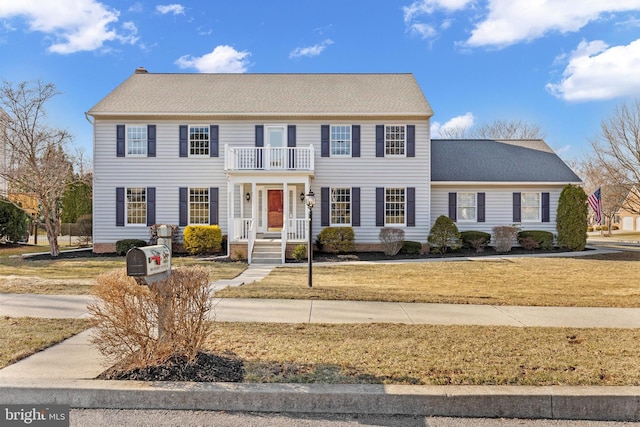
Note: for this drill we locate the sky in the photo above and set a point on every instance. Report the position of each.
(564, 65)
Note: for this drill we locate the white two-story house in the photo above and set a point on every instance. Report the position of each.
(243, 150)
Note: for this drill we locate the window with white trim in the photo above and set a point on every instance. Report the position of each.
(530, 207)
(136, 140)
(340, 140)
(198, 140)
(466, 207)
(394, 206)
(136, 206)
(340, 206)
(394, 140)
(198, 206)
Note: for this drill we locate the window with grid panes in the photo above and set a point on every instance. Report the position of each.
(340, 206)
(198, 206)
(340, 140)
(530, 207)
(136, 140)
(198, 140)
(394, 140)
(136, 206)
(466, 207)
(394, 208)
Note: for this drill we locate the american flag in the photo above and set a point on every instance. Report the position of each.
(595, 201)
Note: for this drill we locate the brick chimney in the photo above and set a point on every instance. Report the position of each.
(141, 70)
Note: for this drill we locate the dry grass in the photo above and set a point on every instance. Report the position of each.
(22, 336)
(422, 354)
(603, 281)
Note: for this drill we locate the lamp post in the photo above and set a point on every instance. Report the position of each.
(310, 201)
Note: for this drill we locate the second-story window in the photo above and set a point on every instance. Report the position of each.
(198, 140)
(340, 140)
(394, 140)
(136, 140)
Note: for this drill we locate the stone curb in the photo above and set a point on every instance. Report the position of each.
(569, 403)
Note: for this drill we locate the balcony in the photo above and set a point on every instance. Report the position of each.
(269, 158)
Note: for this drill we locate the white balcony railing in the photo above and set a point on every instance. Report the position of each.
(269, 158)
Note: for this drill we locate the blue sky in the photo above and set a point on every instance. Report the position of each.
(561, 64)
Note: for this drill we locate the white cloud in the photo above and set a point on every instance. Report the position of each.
(176, 9)
(310, 51)
(74, 25)
(223, 59)
(512, 21)
(414, 15)
(455, 126)
(597, 71)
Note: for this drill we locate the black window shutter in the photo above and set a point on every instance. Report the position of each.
(213, 206)
(379, 140)
(184, 207)
(324, 141)
(517, 201)
(379, 207)
(291, 143)
(411, 207)
(411, 140)
(184, 140)
(355, 207)
(259, 143)
(355, 141)
(151, 140)
(214, 142)
(545, 207)
(151, 206)
(120, 207)
(453, 206)
(120, 140)
(324, 206)
(481, 207)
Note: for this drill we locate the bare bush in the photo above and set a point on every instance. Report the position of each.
(392, 240)
(126, 317)
(504, 237)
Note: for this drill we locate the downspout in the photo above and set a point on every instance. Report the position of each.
(86, 116)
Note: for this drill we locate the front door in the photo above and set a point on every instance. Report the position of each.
(275, 210)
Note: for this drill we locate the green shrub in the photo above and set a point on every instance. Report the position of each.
(202, 239)
(571, 218)
(123, 246)
(544, 239)
(473, 239)
(411, 248)
(299, 252)
(337, 239)
(13, 222)
(444, 235)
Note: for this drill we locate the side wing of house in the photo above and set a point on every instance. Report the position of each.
(628, 217)
(482, 184)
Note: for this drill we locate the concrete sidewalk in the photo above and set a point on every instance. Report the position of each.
(64, 373)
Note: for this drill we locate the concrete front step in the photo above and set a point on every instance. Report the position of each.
(266, 252)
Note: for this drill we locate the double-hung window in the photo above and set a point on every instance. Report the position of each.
(466, 207)
(199, 140)
(530, 207)
(394, 206)
(340, 206)
(198, 206)
(136, 140)
(394, 140)
(340, 140)
(136, 204)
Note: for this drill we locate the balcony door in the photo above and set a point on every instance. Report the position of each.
(276, 139)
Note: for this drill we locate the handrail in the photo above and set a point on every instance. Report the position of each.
(252, 240)
(283, 242)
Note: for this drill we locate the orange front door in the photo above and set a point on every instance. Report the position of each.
(275, 212)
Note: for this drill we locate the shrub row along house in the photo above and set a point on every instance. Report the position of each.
(243, 150)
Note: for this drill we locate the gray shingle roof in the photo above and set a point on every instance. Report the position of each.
(266, 94)
(462, 160)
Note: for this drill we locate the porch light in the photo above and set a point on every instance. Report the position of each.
(310, 201)
(247, 196)
(302, 196)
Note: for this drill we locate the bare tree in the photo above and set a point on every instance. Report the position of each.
(453, 132)
(36, 161)
(501, 129)
(617, 149)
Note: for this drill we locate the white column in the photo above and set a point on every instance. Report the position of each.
(230, 224)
